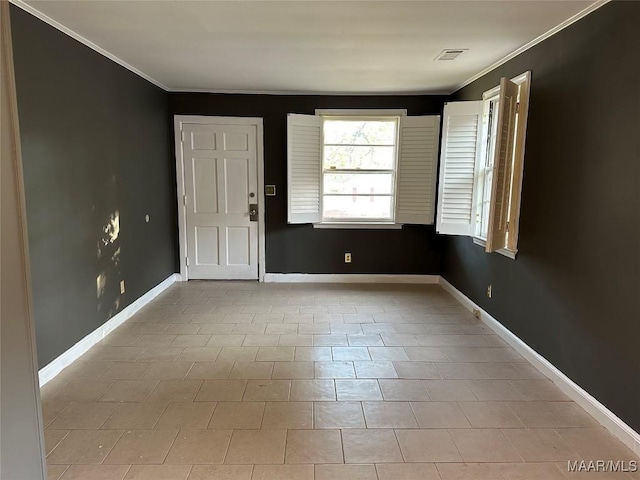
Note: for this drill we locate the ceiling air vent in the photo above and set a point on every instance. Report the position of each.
(451, 53)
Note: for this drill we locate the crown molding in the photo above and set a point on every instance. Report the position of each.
(591, 8)
(307, 92)
(76, 36)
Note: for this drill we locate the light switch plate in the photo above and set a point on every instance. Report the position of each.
(270, 190)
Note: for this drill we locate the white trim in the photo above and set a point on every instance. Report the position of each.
(502, 251)
(515, 200)
(308, 92)
(48, 372)
(76, 36)
(348, 278)
(358, 226)
(217, 120)
(492, 94)
(355, 112)
(591, 8)
(262, 256)
(518, 80)
(597, 410)
(178, 121)
(180, 189)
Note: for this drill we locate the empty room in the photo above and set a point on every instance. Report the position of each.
(320, 240)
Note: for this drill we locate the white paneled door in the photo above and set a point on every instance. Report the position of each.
(221, 199)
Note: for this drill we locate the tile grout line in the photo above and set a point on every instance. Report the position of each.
(395, 435)
(155, 424)
(173, 442)
(122, 432)
(58, 415)
(455, 444)
(189, 472)
(127, 472)
(522, 460)
(59, 442)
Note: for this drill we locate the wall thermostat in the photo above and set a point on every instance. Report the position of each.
(270, 190)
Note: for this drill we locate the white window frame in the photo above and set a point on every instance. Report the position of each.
(347, 114)
(511, 250)
(364, 117)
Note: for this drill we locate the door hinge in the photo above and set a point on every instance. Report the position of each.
(507, 226)
(182, 135)
(186, 259)
(184, 200)
(518, 107)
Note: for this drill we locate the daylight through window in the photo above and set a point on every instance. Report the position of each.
(358, 168)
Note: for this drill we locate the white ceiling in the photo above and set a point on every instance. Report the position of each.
(309, 46)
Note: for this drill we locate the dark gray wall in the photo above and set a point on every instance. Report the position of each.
(572, 294)
(94, 142)
(301, 248)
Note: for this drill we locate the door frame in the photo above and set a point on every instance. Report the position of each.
(178, 122)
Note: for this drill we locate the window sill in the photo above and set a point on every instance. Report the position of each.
(358, 225)
(503, 251)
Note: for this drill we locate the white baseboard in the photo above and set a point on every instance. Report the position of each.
(49, 371)
(348, 278)
(597, 410)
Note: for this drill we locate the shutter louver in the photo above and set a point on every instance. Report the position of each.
(303, 168)
(417, 169)
(458, 162)
(502, 166)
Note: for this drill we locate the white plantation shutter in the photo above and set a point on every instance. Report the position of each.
(502, 166)
(304, 152)
(416, 174)
(461, 138)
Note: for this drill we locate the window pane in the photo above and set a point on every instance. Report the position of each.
(360, 132)
(377, 158)
(492, 131)
(367, 183)
(356, 207)
(486, 173)
(486, 202)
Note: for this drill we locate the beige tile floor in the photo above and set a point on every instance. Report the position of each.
(240, 381)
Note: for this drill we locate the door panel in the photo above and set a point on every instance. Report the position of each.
(220, 163)
(206, 244)
(203, 140)
(236, 142)
(236, 175)
(205, 185)
(239, 246)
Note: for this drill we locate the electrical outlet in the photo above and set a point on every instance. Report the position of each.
(122, 289)
(347, 258)
(476, 313)
(489, 290)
